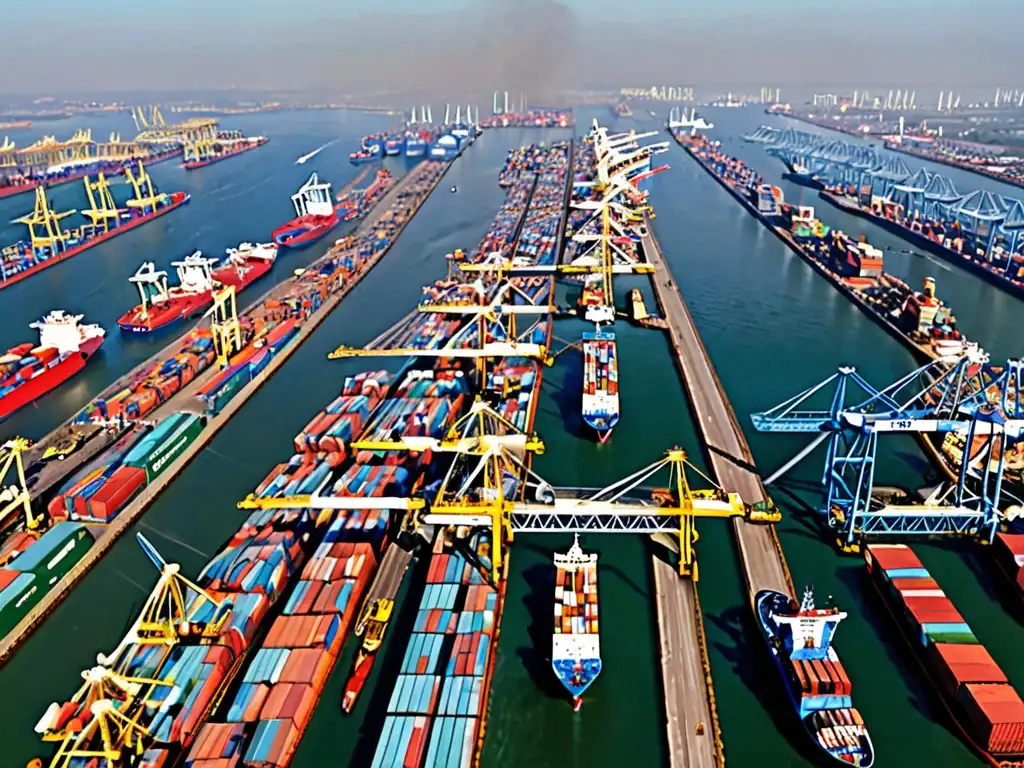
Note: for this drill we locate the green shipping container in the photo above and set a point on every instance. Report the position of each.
(231, 388)
(958, 638)
(171, 447)
(16, 600)
(57, 552)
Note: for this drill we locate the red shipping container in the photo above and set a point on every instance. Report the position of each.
(914, 584)
(283, 745)
(112, 497)
(996, 715)
(956, 664)
(301, 666)
(1009, 549)
(888, 557)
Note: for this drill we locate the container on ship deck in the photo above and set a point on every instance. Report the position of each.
(995, 715)
(402, 742)
(957, 664)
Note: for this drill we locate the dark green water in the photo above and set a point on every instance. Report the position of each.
(772, 328)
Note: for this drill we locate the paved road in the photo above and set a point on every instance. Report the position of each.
(730, 456)
(682, 671)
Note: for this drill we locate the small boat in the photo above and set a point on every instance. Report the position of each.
(800, 641)
(315, 215)
(374, 623)
(27, 371)
(576, 642)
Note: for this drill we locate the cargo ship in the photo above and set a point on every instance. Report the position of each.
(918, 319)
(576, 642)
(373, 624)
(941, 236)
(600, 383)
(226, 144)
(28, 371)
(198, 278)
(358, 202)
(799, 639)
(986, 709)
(52, 244)
(15, 125)
(393, 145)
(416, 143)
(315, 215)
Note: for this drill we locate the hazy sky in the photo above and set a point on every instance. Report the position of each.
(451, 46)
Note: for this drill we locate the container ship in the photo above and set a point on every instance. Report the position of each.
(372, 625)
(939, 235)
(539, 236)
(226, 144)
(534, 118)
(917, 318)
(600, 383)
(49, 243)
(358, 202)
(799, 639)
(27, 372)
(576, 642)
(315, 215)
(198, 278)
(987, 710)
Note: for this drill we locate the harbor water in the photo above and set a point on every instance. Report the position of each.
(772, 328)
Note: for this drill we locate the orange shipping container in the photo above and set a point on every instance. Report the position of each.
(996, 716)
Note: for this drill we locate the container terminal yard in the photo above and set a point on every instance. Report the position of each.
(433, 469)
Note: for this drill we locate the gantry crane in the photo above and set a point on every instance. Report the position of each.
(14, 494)
(225, 325)
(962, 394)
(113, 719)
(53, 235)
(102, 211)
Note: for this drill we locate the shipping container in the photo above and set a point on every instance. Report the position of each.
(162, 449)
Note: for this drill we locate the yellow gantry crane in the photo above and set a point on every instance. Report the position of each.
(112, 702)
(14, 494)
(103, 211)
(42, 216)
(225, 325)
(146, 198)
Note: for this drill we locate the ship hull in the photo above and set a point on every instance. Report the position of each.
(304, 230)
(177, 200)
(245, 276)
(191, 165)
(164, 314)
(768, 603)
(52, 378)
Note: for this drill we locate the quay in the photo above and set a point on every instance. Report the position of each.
(185, 400)
(686, 671)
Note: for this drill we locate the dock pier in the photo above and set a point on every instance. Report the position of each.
(685, 668)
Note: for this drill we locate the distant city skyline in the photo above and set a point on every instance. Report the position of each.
(457, 46)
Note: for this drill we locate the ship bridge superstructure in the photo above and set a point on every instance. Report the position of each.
(965, 395)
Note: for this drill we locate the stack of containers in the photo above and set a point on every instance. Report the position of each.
(32, 572)
(155, 385)
(437, 703)
(168, 440)
(285, 677)
(539, 236)
(961, 669)
(501, 235)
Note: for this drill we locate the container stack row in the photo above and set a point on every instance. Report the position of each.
(501, 235)
(538, 240)
(34, 566)
(576, 601)
(146, 390)
(987, 706)
(437, 703)
(102, 489)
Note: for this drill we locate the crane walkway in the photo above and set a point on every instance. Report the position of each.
(763, 563)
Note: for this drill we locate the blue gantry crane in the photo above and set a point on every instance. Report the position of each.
(966, 395)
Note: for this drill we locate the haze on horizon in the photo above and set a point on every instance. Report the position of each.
(540, 46)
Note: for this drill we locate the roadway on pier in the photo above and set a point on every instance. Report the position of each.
(730, 456)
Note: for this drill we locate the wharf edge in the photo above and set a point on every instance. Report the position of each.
(921, 353)
(26, 626)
